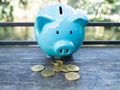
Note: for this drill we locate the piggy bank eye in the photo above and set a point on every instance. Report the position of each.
(70, 32)
(57, 32)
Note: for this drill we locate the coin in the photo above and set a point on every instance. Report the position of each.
(72, 76)
(37, 68)
(57, 63)
(60, 62)
(72, 67)
(64, 68)
(56, 69)
(48, 73)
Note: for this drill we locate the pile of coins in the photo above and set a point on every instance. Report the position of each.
(58, 66)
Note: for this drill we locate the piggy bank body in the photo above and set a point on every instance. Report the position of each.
(59, 30)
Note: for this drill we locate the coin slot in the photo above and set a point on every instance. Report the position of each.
(60, 10)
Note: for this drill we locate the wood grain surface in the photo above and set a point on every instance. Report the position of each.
(99, 69)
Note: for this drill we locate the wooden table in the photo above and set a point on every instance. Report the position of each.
(100, 69)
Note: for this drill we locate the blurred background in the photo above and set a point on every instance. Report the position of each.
(26, 10)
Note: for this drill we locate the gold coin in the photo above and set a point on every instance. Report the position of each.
(37, 68)
(71, 67)
(64, 68)
(56, 69)
(48, 73)
(57, 63)
(60, 62)
(72, 76)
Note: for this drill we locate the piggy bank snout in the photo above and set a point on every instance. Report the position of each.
(64, 48)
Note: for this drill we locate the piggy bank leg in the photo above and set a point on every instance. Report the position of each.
(49, 56)
(53, 57)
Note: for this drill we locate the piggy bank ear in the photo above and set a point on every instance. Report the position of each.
(41, 21)
(80, 18)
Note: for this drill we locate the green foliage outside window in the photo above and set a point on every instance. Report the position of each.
(97, 11)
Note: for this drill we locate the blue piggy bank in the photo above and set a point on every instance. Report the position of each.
(59, 30)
